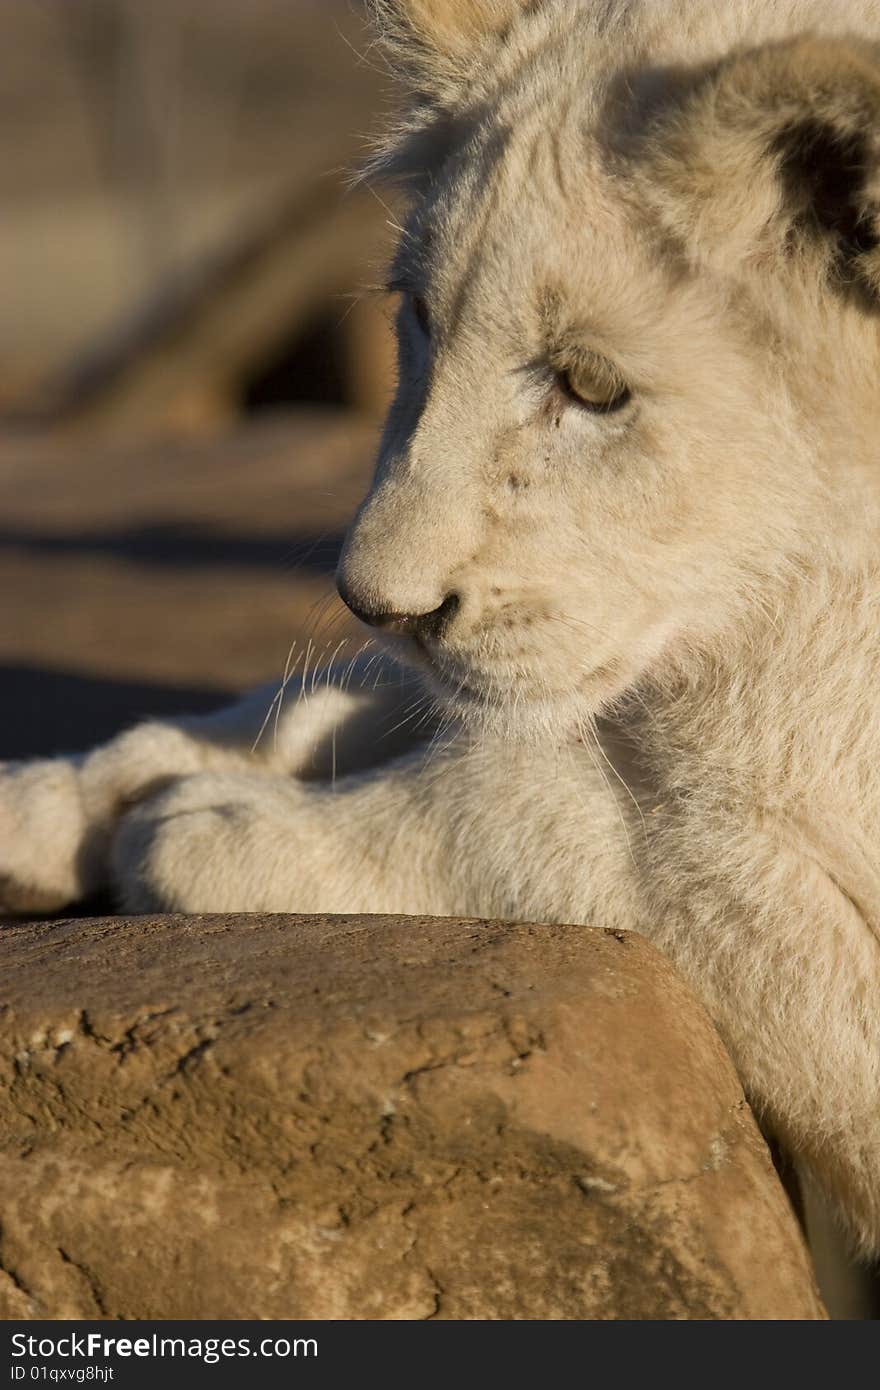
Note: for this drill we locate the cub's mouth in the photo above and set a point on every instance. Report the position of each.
(458, 685)
(520, 703)
(452, 683)
(482, 698)
(462, 692)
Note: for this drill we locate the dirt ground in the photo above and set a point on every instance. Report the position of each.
(161, 578)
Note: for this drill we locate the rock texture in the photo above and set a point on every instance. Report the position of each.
(285, 1117)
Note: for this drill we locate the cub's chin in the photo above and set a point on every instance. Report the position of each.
(518, 708)
(515, 715)
(483, 708)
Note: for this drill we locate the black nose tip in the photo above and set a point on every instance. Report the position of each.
(430, 624)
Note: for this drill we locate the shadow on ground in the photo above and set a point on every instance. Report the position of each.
(186, 546)
(43, 713)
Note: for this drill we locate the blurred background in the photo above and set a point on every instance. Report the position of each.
(191, 380)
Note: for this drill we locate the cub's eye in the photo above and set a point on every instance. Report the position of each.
(420, 310)
(594, 384)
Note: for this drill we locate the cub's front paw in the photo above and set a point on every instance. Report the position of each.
(213, 842)
(42, 835)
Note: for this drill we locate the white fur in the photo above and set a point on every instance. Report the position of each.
(665, 659)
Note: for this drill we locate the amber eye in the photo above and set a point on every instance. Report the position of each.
(423, 318)
(594, 384)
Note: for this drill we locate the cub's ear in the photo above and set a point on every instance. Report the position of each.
(435, 40)
(774, 156)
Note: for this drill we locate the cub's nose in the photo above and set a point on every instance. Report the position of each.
(425, 625)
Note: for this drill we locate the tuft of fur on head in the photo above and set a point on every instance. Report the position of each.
(439, 52)
(436, 41)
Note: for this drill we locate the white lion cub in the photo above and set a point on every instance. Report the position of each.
(626, 524)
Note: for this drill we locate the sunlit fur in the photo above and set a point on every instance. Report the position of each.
(658, 690)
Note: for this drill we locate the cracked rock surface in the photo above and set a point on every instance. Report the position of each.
(373, 1117)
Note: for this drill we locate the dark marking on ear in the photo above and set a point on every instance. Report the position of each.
(825, 171)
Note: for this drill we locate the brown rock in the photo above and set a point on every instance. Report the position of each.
(282, 1117)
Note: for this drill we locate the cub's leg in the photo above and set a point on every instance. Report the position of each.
(57, 816)
(789, 967)
(473, 831)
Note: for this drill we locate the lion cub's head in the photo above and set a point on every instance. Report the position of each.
(638, 333)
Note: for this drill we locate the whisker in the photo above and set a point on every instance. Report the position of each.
(586, 742)
(284, 679)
